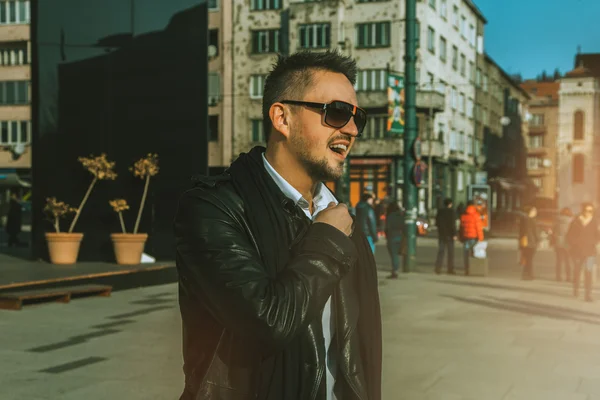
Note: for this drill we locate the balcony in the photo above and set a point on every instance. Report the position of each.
(14, 33)
(537, 129)
(437, 148)
(537, 150)
(430, 100)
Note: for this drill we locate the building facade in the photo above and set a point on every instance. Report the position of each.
(372, 32)
(542, 142)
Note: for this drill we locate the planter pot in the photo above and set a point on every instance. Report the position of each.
(63, 248)
(129, 247)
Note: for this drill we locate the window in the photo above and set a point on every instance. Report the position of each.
(265, 5)
(213, 4)
(444, 9)
(469, 149)
(14, 12)
(257, 85)
(441, 132)
(472, 35)
(443, 48)
(534, 162)
(454, 58)
(376, 127)
(258, 132)
(578, 125)
(14, 92)
(455, 17)
(454, 98)
(14, 56)
(578, 168)
(214, 88)
(213, 128)
(537, 119)
(470, 106)
(460, 181)
(471, 71)
(15, 132)
(463, 65)
(431, 40)
(432, 4)
(538, 182)
(265, 41)
(484, 115)
(418, 34)
(463, 26)
(441, 87)
(429, 85)
(375, 34)
(485, 83)
(478, 78)
(461, 103)
(453, 141)
(213, 39)
(535, 142)
(315, 36)
(368, 80)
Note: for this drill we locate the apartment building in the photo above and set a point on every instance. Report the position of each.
(372, 32)
(15, 95)
(542, 141)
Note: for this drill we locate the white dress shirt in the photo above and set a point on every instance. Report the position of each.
(322, 198)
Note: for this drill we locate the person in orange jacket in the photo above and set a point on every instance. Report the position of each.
(471, 232)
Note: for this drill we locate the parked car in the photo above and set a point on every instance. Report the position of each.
(422, 226)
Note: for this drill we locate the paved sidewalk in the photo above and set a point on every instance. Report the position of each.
(445, 338)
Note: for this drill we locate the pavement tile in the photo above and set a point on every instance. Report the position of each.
(541, 394)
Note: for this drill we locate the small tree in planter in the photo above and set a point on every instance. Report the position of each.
(61, 252)
(130, 246)
(64, 247)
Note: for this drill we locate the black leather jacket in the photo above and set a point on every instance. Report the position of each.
(235, 316)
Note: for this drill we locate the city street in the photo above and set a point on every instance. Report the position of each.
(445, 338)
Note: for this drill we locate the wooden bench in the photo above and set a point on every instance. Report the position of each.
(14, 300)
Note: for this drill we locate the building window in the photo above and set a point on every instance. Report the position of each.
(537, 120)
(376, 127)
(478, 78)
(213, 4)
(485, 83)
(443, 48)
(371, 1)
(15, 132)
(14, 56)
(453, 141)
(14, 92)
(259, 5)
(463, 65)
(375, 34)
(461, 142)
(472, 35)
(441, 87)
(578, 168)
(265, 41)
(453, 98)
(460, 181)
(257, 85)
(371, 80)
(315, 36)
(470, 106)
(14, 12)
(578, 125)
(463, 26)
(534, 162)
(258, 131)
(535, 142)
(461, 103)
(444, 9)
(455, 17)
(418, 34)
(213, 40)
(214, 88)
(471, 71)
(538, 182)
(431, 40)
(454, 58)
(213, 128)
(484, 115)
(429, 85)
(432, 4)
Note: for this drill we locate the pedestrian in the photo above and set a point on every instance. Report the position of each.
(528, 241)
(582, 238)
(394, 227)
(277, 287)
(460, 209)
(445, 221)
(471, 232)
(561, 248)
(14, 220)
(366, 218)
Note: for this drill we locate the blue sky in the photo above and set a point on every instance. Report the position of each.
(528, 36)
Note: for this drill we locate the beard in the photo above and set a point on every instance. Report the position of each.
(319, 169)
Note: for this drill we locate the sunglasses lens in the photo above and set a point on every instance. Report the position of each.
(339, 113)
(360, 119)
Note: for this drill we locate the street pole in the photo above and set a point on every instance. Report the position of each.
(430, 151)
(409, 197)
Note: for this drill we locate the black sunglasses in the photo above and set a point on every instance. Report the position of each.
(337, 113)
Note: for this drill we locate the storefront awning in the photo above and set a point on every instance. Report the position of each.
(12, 179)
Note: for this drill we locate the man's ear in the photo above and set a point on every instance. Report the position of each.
(280, 118)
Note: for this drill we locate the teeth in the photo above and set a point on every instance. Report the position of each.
(339, 146)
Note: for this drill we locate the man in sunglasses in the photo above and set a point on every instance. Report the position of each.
(278, 287)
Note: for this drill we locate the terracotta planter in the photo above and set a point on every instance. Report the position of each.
(63, 247)
(129, 247)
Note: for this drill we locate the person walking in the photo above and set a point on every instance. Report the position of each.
(582, 238)
(366, 218)
(445, 221)
(277, 285)
(394, 227)
(14, 220)
(471, 232)
(528, 241)
(561, 248)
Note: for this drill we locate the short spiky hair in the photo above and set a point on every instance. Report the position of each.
(291, 76)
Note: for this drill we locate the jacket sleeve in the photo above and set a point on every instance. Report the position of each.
(220, 266)
(452, 222)
(372, 221)
(479, 226)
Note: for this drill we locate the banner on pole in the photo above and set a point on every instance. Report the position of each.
(395, 125)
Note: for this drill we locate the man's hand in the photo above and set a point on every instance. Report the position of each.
(337, 216)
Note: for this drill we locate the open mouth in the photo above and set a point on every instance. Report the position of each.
(339, 149)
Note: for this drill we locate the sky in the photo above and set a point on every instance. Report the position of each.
(529, 36)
